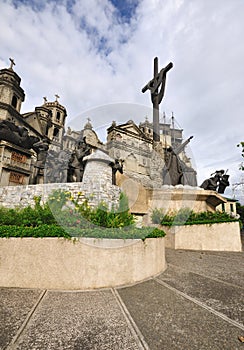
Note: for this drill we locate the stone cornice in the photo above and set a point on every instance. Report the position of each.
(129, 148)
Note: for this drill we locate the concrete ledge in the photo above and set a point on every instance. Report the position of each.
(218, 237)
(57, 263)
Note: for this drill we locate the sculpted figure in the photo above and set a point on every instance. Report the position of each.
(172, 171)
(175, 171)
(116, 166)
(213, 182)
(18, 135)
(76, 163)
(56, 167)
(223, 183)
(41, 149)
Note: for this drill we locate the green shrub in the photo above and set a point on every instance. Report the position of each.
(78, 220)
(96, 232)
(27, 216)
(38, 231)
(83, 215)
(186, 216)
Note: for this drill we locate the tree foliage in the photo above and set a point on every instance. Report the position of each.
(241, 144)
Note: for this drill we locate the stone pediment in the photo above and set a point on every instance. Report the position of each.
(32, 119)
(129, 128)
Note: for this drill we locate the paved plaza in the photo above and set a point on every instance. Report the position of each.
(197, 303)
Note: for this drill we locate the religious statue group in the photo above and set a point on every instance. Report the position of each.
(218, 181)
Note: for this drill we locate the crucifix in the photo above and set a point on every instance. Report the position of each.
(12, 63)
(157, 87)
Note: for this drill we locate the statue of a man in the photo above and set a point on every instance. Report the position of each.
(76, 164)
(116, 166)
(213, 182)
(172, 171)
(41, 149)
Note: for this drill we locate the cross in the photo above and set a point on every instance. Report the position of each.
(45, 99)
(12, 63)
(57, 97)
(158, 82)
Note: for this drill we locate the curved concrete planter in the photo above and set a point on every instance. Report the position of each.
(57, 263)
(221, 237)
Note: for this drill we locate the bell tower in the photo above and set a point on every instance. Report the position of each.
(56, 123)
(11, 93)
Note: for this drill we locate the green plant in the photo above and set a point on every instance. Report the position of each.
(78, 220)
(240, 211)
(43, 231)
(157, 215)
(58, 199)
(83, 215)
(186, 216)
(27, 216)
(37, 232)
(241, 144)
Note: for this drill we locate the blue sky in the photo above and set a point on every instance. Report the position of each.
(100, 53)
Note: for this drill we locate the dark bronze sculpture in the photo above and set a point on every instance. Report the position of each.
(175, 171)
(77, 164)
(218, 179)
(116, 166)
(18, 135)
(56, 166)
(41, 149)
(223, 183)
(157, 88)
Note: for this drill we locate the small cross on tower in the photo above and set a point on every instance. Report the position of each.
(12, 63)
(57, 97)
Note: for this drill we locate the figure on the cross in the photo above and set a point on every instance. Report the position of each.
(158, 80)
(157, 87)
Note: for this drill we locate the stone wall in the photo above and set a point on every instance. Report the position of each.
(57, 263)
(96, 186)
(216, 237)
(22, 196)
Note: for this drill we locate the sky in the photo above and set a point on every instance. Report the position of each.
(98, 54)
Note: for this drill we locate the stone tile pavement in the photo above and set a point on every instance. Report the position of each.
(197, 303)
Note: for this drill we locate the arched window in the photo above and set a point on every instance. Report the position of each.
(14, 101)
(55, 132)
(58, 116)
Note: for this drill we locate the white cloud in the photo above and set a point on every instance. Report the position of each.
(90, 56)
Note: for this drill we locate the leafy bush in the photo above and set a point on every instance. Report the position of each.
(84, 216)
(75, 218)
(97, 232)
(186, 216)
(38, 231)
(240, 211)
(27, 216)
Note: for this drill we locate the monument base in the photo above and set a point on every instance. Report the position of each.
(143, 200)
